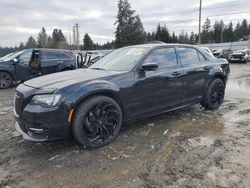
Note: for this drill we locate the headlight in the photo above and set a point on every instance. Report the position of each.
(46, 100)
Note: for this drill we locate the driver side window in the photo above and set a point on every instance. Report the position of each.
(25, 57)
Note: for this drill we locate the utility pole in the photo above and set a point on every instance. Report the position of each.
(77, 36)
(200, 22)
(221, 35)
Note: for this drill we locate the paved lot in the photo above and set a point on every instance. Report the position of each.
(185, 148)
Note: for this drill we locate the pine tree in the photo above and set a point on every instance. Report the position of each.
(129, 29)
(206, 34)
(192, 38)
(162, 34)
(31, 43)
(229, 35)
(42, 39)
(88, 44)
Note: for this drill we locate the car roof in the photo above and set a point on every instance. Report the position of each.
(154, 45)
(50, 49)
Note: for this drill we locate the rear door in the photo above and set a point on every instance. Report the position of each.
(49, 62)
(160, 88)
(195, 67)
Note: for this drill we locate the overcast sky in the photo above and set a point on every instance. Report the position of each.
(21, 18)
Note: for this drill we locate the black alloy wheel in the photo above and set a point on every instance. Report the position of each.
(97, 121)
(6, 80)
(215, 95)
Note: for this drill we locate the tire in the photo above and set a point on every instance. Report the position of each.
(215, 95)
(97, 121)
(6, 80)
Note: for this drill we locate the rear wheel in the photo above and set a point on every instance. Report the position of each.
(6, 80)
(215, 95)
(97, 121)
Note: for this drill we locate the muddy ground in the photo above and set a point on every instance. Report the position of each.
(186, 148)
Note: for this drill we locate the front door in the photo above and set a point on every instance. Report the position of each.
(22, 69)
(160, 88)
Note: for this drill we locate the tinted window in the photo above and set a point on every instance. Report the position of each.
(49, 55)
(165, 57)
(62, 55)
(188, 55)
(202, 58)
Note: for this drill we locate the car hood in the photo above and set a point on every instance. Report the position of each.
(64, 79)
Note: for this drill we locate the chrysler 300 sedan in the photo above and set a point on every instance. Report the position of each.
(129, 83)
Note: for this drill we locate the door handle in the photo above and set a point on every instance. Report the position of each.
(176, 73)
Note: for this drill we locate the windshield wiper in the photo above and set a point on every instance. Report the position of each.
(98, 68)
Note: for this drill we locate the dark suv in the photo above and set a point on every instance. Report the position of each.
(129, 83)
(30, 63)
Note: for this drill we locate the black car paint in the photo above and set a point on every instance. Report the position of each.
(140, 93)
(23, 71)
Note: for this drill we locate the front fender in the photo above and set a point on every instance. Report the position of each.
(78, 92)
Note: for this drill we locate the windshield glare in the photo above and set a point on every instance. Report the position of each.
(12, 56)
(123, 59)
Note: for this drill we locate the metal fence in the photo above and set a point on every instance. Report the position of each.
(229, 45)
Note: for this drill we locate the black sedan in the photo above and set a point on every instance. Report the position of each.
(129, 83)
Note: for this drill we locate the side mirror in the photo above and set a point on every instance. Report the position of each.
(149, 67)
(15, 60)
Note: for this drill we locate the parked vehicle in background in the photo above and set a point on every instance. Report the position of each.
(240, 56)
(88, 58)
(30, 63)
(222, 53)
(129, 83)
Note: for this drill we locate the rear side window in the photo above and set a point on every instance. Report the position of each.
(165, 57)
(49, 55)
(188, 56)
(202, 58)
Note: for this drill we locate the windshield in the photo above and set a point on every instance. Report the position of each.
(123, 59)
(12, 56)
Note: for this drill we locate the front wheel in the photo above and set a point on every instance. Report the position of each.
(215, 95)
(97, 121)
(6, 80)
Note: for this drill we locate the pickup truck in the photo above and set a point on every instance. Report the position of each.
(31, 63)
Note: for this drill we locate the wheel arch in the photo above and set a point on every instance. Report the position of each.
(11, 74)
(107, 93)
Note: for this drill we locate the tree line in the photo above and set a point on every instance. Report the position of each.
(130, 31)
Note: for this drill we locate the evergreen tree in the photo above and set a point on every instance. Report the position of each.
(183, 38)
(58, 40)
(21, 46)
(206, 34)
(129, 29)
(237, 32)
(31, 43)
(162, 34)
(229, 33)
(218, 31)
(42, 39)
(88, 44)
(174, 38)
(192, 38)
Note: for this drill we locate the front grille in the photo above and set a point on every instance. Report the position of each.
(19, 103)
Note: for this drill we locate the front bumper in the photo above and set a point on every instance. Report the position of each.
(38, 124)
(26, 135)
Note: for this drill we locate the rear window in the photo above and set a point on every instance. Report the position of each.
(188, 56)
